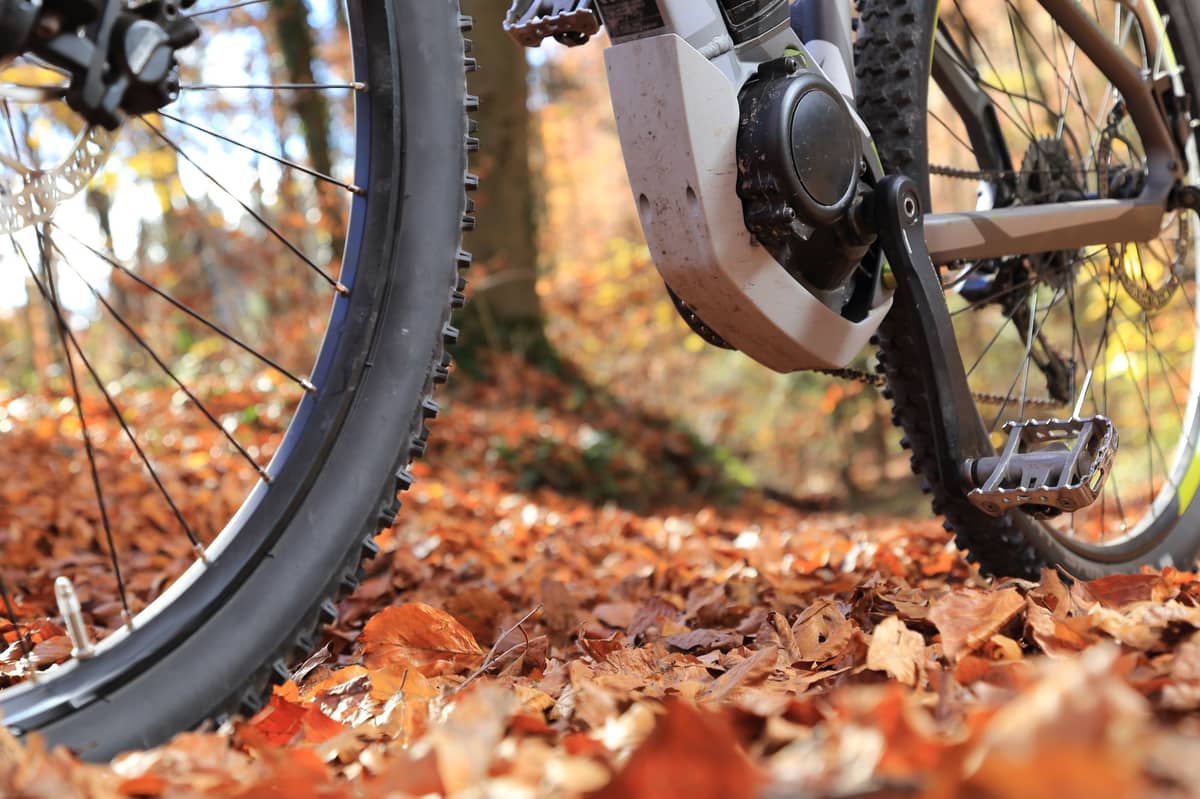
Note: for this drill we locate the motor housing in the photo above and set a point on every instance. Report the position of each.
(801, 172)
(678, 116)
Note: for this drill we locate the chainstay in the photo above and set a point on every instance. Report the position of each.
(984, 398)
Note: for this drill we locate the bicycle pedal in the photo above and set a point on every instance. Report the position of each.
(1046, 467)
(570, 22)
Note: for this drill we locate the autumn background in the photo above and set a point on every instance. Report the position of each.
(632, 565)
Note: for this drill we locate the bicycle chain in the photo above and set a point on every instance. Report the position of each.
(943, 170)
(982, 397)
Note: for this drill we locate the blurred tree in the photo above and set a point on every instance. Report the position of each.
(505, 312)
(295, 38)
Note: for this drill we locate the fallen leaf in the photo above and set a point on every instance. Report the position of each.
(752, 669)
(690, 753)
(418, 636)
(145, 785)
(1118, 590)
(703, 640)
(967, 619)
(896, 650)
(822, 633)
(616, 614)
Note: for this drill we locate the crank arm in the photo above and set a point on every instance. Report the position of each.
(896, 214)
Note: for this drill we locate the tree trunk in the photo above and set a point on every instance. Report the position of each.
(295, 39)
(505, 312)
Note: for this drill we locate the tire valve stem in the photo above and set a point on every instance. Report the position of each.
(72, 613)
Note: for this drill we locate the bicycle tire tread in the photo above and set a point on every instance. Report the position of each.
(255, 693)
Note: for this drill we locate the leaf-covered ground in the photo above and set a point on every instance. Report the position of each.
(520, 637)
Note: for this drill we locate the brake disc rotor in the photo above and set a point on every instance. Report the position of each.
(1117, 178)
(31, 196)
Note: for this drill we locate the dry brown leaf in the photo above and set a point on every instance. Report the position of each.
(753, 669)
(1076, 732)
(703, 640)
(1052, 594)
(1119, 590)
(1056, 636)
(967, 619)
(822, 633)
(616, 614)
(896, 650)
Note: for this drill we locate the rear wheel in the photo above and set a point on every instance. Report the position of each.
(308, 412)
(1110, 330)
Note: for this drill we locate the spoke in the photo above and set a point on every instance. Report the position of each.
(1076, 346)
(245, 207)
(274, 87)
(154, 356)
(1036, 329)
(1110, 302)
(1033, 335)
(44, 291)
(1151, 442)
(213, 326)
(1017, 122)
(1053, 62)
(1149, 417)
(1064, 98)
(229, 7)
(51, 297)
(350, 187)
(1012, 31)
(1007, 321)
(957, 138)
(1029, 282)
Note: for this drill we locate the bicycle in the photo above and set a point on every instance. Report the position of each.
(790, 165)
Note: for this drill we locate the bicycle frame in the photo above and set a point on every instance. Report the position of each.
(675, 70)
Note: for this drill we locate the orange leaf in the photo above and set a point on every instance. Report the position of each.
(279, 721)
(690, 753)
(145, 785)
(1118, 590)
(418, 636)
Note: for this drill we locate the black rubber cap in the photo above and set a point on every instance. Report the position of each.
(824, 148)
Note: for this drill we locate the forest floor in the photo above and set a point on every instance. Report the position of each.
(575, 602)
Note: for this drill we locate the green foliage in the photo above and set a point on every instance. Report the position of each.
(653, 464)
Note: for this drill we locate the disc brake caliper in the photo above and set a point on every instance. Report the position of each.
(1046, 467)
(123, 61)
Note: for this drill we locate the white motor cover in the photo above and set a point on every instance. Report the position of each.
(677, 115)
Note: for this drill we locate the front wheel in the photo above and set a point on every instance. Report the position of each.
(1110, 330)
(249, 307)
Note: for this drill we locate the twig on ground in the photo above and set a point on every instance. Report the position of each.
(490, 659)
